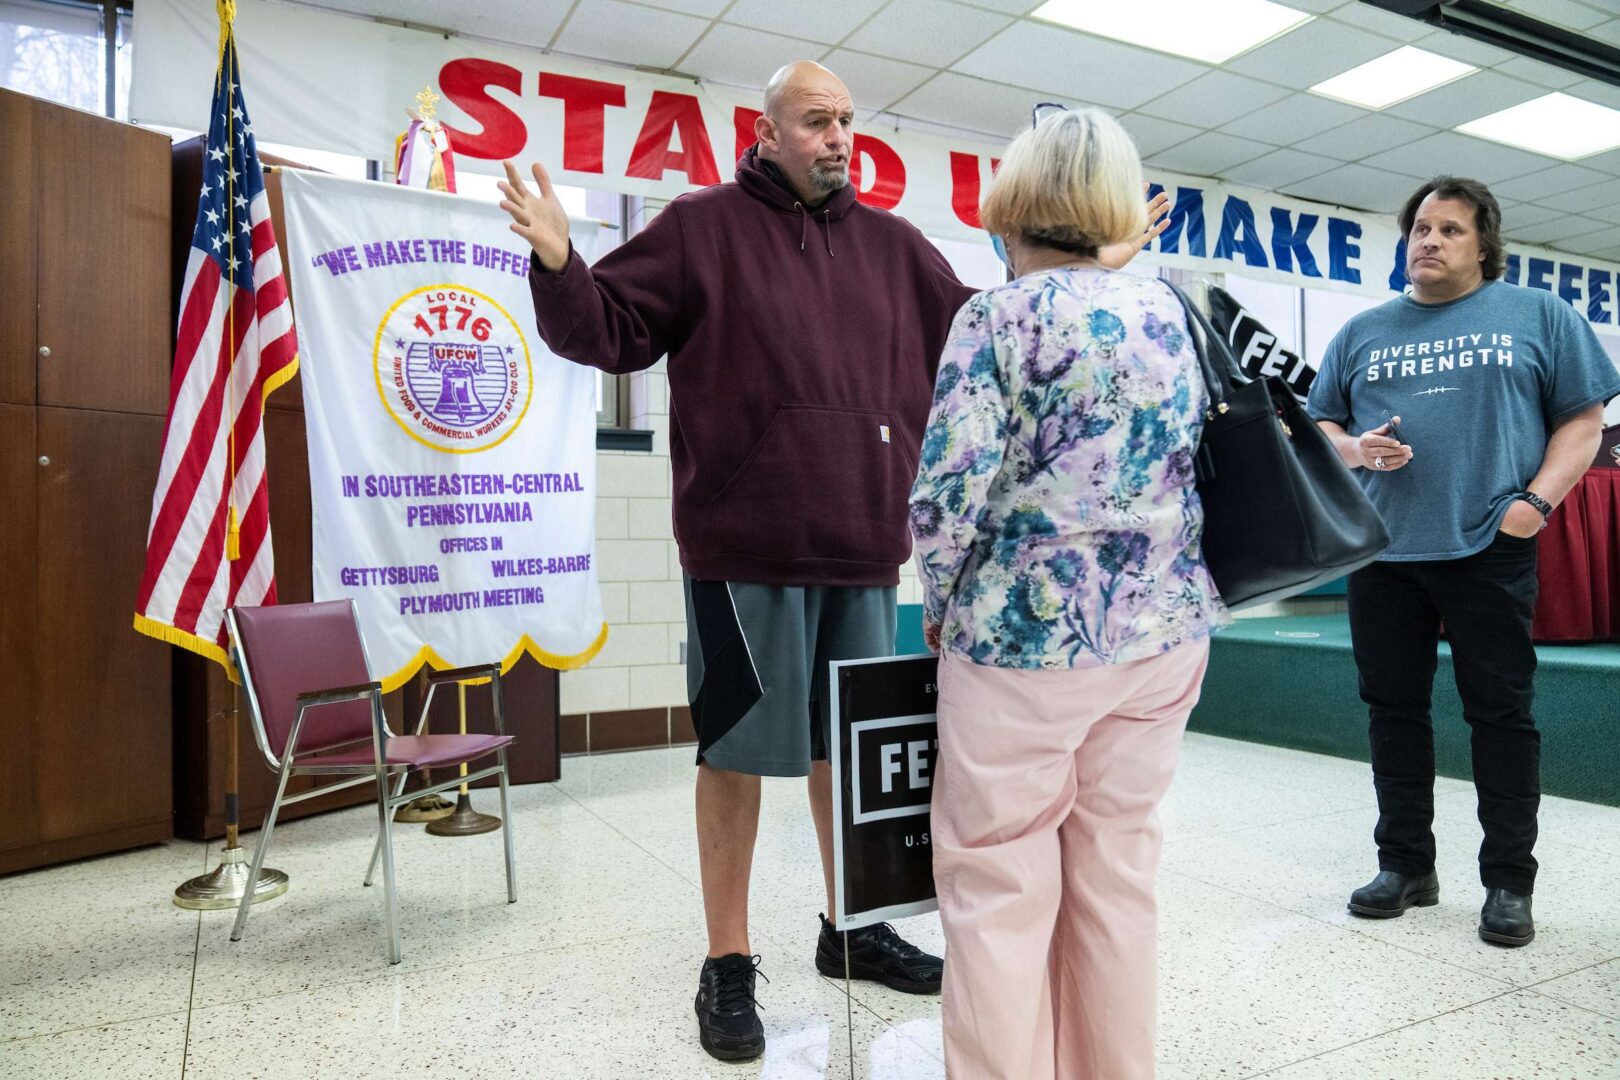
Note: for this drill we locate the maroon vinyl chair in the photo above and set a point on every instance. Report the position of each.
(317, 711)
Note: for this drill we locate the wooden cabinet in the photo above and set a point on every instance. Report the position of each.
(85, 345)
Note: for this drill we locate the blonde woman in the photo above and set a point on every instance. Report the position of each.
(1057, 536)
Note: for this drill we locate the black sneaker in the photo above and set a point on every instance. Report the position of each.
(728, 1020)
(881, 955)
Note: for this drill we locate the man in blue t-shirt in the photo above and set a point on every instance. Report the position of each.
(1503, 389)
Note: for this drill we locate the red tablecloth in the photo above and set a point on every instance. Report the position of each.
(1579, 554)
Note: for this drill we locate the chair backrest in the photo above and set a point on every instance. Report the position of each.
(291, 649)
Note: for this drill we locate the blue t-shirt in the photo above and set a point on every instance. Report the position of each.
(1479, 384)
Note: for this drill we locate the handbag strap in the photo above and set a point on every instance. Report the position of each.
(1215, 359)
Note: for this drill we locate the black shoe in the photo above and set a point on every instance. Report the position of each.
(728, 1017)
(1389, 894)
(1505, 919)
(881, 955)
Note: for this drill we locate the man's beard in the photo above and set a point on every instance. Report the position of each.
(828, 178)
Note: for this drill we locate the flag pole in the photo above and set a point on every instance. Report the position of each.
(227, 883)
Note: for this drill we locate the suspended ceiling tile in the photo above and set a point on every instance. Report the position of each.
(629, 34)
(827, 21)
(1372, 134)
(1280, 168)
(873, 80)
(738, 56)
(708, 9)
(1536, 186)
(974, 104)
(1214, 99)
(1469, 98)
(1559, 229)
(1011, 7)
(1608, 32)
(1526, 215)
(1542, 74)
(1569, 14)
(1600, 93)
(1469, 51)
(1583, 200)
(1592, 242)
(932, 32)
(1151, 134)
(1356, 186)
(1077, 66)
(1607, 162)
(533, 25)
(1460, 155)
(1609, 213)
(1311, 53)
(1209, 154)
(1294, 117)
(1382, 22)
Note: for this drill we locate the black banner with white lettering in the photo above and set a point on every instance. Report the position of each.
(884, 743)
(1257, 349)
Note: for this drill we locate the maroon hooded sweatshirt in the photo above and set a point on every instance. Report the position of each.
(802, 349)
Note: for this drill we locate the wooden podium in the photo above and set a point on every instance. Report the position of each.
(203, 696)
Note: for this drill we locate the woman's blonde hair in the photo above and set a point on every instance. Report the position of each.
(1073, 182)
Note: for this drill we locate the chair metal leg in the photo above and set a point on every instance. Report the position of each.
(376, 848)
(259, 850)
(385, 821)
(506, 829)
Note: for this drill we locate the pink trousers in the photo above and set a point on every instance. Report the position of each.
(1046, 845)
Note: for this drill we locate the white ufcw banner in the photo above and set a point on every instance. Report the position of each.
(452, 455)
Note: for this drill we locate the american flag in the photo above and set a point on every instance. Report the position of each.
(208, 547)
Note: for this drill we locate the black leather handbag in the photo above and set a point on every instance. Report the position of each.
(1282, 512)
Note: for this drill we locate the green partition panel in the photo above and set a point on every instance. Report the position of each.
(1292, 682)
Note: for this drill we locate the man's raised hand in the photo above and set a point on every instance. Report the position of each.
(537, 217)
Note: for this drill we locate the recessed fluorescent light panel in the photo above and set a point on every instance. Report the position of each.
(1557, 125)
(1393, 77)
(1213, 31)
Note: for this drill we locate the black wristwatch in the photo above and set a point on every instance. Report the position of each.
(1536, 501)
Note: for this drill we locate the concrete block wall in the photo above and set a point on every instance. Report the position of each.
(640, 572)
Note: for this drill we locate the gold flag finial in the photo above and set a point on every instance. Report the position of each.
(227, 19)
(425, 104)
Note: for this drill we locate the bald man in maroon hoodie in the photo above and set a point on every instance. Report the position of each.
(803, 331)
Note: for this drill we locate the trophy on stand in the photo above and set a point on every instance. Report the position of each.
(422, 156)
(464, 821)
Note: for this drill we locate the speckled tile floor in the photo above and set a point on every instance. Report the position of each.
(591, 973)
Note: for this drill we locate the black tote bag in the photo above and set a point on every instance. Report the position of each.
(1282, 512)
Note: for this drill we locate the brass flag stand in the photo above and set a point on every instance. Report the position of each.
(465, 821)
(425, 808)
(224, 886)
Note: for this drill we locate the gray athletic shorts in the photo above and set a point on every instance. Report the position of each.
(756, 667)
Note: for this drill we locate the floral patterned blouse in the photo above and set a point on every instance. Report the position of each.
(1054, 518)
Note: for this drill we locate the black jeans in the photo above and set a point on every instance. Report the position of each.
(1486, 602)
